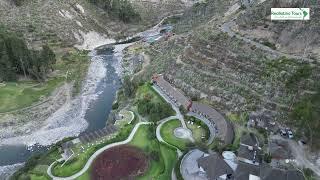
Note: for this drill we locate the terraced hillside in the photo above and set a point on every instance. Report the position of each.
(292, 37)
(231, 72)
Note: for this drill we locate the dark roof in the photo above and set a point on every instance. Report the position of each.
(294, 175)
(214, 166)
(249, 139)
(265, 172)
(225, 128)
(269, 173)
(171, 91)
(280, 149)
(246, 153)
(244, 170)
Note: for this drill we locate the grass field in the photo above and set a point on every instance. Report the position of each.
(85, 176)
(198, 128)
(151, 97)
(167, 133)
(17, 95)
(162, 157)
(147, 90)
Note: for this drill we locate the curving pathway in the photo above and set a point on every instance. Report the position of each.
(97, 153)
(159, 137)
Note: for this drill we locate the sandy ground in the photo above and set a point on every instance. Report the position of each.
(91, 40)
(68, 120)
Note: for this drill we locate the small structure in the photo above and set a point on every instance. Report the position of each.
(250, 152)
(67, 150)
(92, 136)
(189, 167)
(280, 150)
(263, 121)
(247, 171)
(269, 173)
(174, 94)
(215, 167)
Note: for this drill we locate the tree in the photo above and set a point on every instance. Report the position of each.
(306, 115)
(121, 9)
(48, 56)
(128, 86)
(17, 59)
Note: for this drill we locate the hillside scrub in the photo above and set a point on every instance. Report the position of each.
(306, 115)
(17, 59)
(121, 9)
(151, 104)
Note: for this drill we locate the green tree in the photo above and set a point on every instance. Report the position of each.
(128, 86)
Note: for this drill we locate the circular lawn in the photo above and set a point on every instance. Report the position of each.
(121, 162)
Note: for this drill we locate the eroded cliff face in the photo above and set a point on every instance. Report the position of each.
(65, 23)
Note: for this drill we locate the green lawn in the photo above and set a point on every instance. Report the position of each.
(167, 133)
(16, 95)
(36, 168)
(151, 105)
(162, 157)
(199, 129)
(85, 176)
(73, 166)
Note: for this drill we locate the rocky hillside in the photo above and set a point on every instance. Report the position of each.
(292, 37)
(212, 60)
(75, 21)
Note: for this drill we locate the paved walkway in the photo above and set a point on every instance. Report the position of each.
(97, 153)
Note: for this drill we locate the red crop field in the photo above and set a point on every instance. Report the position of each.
(121, 162)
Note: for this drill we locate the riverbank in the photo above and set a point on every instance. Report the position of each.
(76, 114)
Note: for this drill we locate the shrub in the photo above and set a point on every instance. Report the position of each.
(267, 157)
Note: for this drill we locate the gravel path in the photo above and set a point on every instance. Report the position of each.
(300, 154)
(226, 27)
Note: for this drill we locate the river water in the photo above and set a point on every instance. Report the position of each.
(93, 104)
(96, 114)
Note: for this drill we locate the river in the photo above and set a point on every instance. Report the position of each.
(87, 112)
(96, 112)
